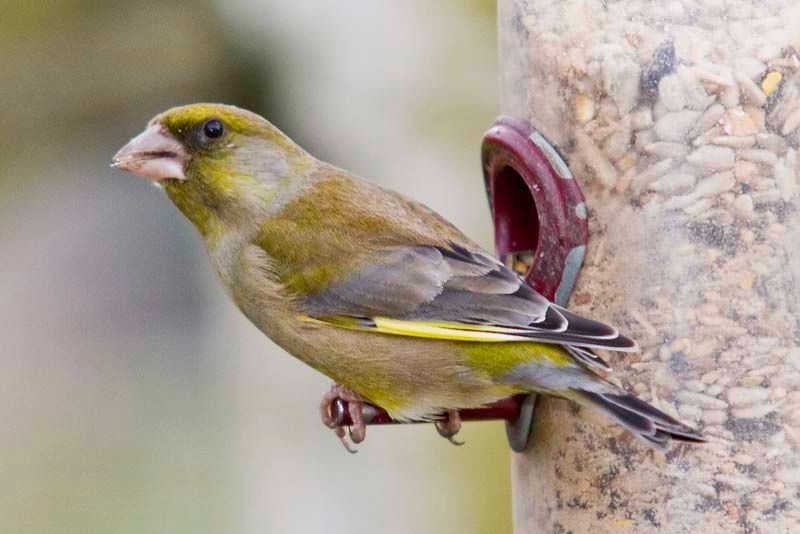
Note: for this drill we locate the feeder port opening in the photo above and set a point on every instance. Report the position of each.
(516, 220)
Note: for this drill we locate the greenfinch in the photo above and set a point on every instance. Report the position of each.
(374, 290)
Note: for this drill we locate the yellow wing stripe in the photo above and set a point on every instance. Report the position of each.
(480, 327)
(426, 329)
(437, 331)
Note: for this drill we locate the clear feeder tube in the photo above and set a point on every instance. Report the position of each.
(681, 121)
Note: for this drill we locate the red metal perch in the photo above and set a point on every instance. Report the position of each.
(508, 409)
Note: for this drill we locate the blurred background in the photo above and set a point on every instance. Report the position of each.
(133, 396)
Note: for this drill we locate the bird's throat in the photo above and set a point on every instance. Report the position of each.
(191, 201)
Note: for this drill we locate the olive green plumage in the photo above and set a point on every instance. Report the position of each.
(375, 290)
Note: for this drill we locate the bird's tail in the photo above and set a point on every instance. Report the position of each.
(650, 424)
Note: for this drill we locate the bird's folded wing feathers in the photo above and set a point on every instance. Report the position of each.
(450, 292)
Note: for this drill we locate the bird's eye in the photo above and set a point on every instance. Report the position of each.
(213, 129)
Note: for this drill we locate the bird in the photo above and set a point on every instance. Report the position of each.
(371, 288)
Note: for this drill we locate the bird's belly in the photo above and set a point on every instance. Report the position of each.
(411, 378)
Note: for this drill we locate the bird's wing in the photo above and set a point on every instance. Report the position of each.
(370, 259)
(458, 294)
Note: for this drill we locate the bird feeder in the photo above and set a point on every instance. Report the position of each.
(540, 231)
(680, 121)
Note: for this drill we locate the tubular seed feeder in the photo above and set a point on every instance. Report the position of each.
(681, 122)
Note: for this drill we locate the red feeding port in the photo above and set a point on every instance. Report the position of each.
(538, 208)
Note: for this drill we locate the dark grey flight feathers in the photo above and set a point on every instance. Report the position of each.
(453, 284)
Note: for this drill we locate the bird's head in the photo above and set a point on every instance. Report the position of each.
(215, 161)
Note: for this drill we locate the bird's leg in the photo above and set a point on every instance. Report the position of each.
(355, 404)
(450, 427)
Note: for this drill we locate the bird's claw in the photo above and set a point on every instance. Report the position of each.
(355, 403)
(340, 433)
(450, 427)
(356, 433)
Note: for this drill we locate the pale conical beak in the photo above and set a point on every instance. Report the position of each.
(154, 154)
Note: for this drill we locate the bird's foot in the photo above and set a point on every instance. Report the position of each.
(450, 427)
(355, 403)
